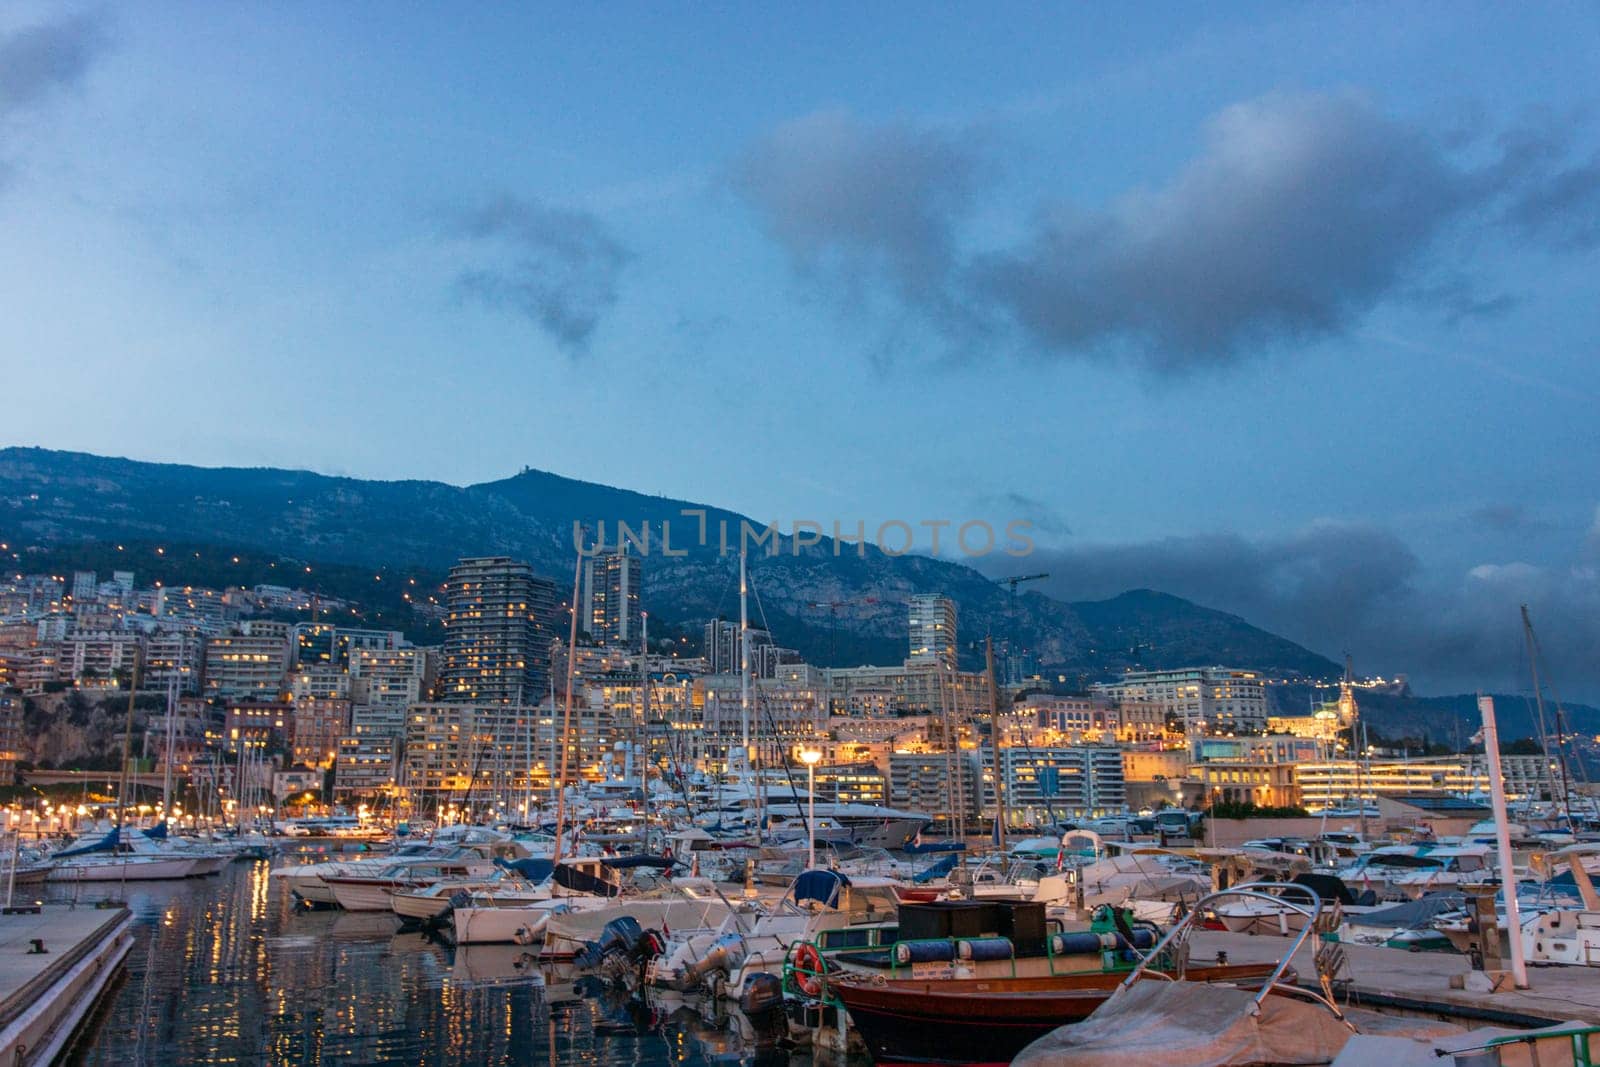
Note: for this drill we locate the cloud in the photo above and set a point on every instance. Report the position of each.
(559, 268)
(1327, 578)
(36, 62)
(860, 203)
(1296, 217)
(39, 60)
(1299, 213)
(1343, 586)
(1025, 508)
(1508, 519)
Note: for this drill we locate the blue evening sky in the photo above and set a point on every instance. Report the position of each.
(1288, 308)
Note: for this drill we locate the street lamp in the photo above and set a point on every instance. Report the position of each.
(810, 757)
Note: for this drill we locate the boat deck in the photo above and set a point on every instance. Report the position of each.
(1396, 980)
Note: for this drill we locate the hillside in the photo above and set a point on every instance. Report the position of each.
(55, 505)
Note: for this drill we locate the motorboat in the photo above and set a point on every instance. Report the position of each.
(818, 903)
(983, 1020)
(1567, 935)
(577, 883)
(371, 891)
(1185, 1023)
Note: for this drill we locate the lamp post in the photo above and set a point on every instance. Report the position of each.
(810, 757)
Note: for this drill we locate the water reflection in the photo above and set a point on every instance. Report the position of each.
(225, 970)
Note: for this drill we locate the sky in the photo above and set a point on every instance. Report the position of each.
(1289, 309)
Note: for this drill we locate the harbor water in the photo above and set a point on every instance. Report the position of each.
(227, 970)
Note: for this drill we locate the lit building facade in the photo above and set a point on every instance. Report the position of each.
(932, 621)
(498, 620)
(1219, 699)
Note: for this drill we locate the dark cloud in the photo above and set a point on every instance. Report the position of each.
(560, 268)
(1337, 587)
(37, 61)
(1508, 518)
(1298, 215)
(863, 203)
(1561, 208)
(1021, 506)
(1327, 578)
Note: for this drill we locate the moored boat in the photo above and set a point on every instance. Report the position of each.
(983, 1020)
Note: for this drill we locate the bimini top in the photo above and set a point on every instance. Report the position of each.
(819, 885)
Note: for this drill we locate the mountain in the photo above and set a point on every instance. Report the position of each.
(52, 501)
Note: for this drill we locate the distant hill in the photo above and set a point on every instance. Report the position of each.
(55, 503)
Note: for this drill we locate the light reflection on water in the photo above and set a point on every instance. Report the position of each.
(224, 970)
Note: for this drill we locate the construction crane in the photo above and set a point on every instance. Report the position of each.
(833, 607)
(1012, 583)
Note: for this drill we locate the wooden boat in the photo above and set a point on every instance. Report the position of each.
(984, 1020)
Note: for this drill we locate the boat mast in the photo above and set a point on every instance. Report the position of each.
(644, 718)
(1347, 703)
(166, 755)
(1565, 799)
(566, 718)
(127, 744)
(994, 731)
(744, 657)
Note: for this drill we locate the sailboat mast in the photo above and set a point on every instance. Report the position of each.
(127, 740)
(994, 731)
(166, 754)
(1565, 799)
(644, 720)
(1347, 703)
(566, 718)
(744, 656)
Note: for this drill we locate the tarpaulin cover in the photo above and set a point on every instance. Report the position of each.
(107, 843)
(924, 951)
(1189, 1024)
(534, 869)
(583, 882)
(938, 870)
(821, 886)
(1413, 914)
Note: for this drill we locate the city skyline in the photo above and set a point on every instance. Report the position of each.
(1284, 310)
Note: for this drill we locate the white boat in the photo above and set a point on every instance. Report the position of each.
(119, 855)
(691, 904)
(1567, 935)
(372, 890)
(719, 960)
(520, 917)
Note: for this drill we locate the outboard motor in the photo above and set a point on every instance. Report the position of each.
(725, 953)
(617, 938)
(459, 899)
(762, 1004)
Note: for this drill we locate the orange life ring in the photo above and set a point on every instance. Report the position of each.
(807, 965)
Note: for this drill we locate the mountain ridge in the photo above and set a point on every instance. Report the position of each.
(52, 498)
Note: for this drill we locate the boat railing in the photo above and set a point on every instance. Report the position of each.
(1174, 943)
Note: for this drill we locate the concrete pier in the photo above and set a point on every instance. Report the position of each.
(1419, 982)
(44, 996)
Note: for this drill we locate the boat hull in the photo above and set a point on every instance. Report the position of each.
(983, 1021)
(500, 926)
(118, 870)
(363, 895)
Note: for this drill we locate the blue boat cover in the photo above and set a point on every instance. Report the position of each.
(987, 948)
(915, 847)
(534, 869)
(937, 870)
(821, 886)
(924, 951)
(107, 843)
(158, 832)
